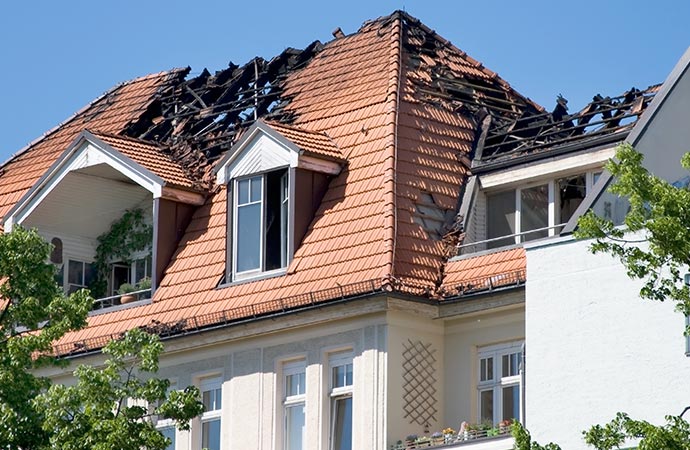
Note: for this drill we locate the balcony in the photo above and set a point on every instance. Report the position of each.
(470, 438)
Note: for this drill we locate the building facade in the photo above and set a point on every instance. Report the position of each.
(332, 241)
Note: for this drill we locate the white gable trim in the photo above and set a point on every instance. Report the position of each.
(85, 151)
(262, 149)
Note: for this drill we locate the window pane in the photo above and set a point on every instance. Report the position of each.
(242, 192)
(294, 427)
(248, 237)
(486, 406)
(348, 374)
(511, 402)
(210, 434)
(274, 220)
(255, 189)
(169, 432)
(342, 426)
(500, 218)
(89, 273)
(571, 191)
(342, 375)
(534, 211)
(76, 272)
(595, 177)
(212, 399)
(295, 384)
(487, 369)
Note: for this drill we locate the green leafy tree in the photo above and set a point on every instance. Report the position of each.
(108, 407)
(34, 313)
(659, 218)
(115, 407)
(674, 435)
(523, 440)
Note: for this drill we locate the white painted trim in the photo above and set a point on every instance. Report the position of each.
(252, 137)
(85, 151)
(554, 168)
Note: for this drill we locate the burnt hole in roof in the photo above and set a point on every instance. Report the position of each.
(603, 118)
(200, 118)
(430, 215)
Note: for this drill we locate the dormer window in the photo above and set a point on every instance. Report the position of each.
(275, 177)
(260, 235)
(535, 211)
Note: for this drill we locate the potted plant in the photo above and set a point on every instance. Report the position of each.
(423, 442)
(144, 285)
(437, 438)
(125, 293)
(448, 435)
(410, 441)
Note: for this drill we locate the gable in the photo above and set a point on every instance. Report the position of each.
(86, 154)
(261, 154)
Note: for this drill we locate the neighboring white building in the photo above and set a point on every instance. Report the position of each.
(594, 347)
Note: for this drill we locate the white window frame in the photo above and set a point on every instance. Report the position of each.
(211, 384)
(169, 423)
(292, 368)
(338, 359)
(285, 225)
(66, 273)
(554, 221)
(497, 381)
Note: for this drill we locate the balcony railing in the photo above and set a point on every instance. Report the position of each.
(472, 247)
(497, 438)
(121, 299)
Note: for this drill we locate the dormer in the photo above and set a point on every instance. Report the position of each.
(97, 180)
(275, 176)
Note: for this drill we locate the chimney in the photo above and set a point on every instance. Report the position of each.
(338, 33)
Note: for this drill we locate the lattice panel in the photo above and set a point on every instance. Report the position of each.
(419, 381)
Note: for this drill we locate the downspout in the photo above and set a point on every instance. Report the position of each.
(390, 169)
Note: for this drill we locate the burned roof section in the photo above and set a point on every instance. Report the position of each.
(604, 120)
(201, 117)
(446, 76)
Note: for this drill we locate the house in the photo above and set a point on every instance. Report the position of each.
(333, 238)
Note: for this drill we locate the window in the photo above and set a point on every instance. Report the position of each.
(167, 426)
(537, 211)
(341, 400)
(260, 237)
(169, 432)
(211, 397)
(499, 383)
(129, 273)
(80, 275)
(295, 390)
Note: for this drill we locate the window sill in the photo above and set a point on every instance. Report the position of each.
(253, 278)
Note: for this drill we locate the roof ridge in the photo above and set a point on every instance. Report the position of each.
(390, 209)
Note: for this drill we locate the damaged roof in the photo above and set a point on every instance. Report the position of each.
(394, 99)
(604, 120)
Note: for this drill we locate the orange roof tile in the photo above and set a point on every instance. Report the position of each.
(312, 142)
(499, 268)
(365, 97)
(110, 113)
(150, 156)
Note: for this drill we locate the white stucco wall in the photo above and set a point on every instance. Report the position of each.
(594, 347)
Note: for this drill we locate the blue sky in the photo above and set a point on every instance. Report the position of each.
(57, 56)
